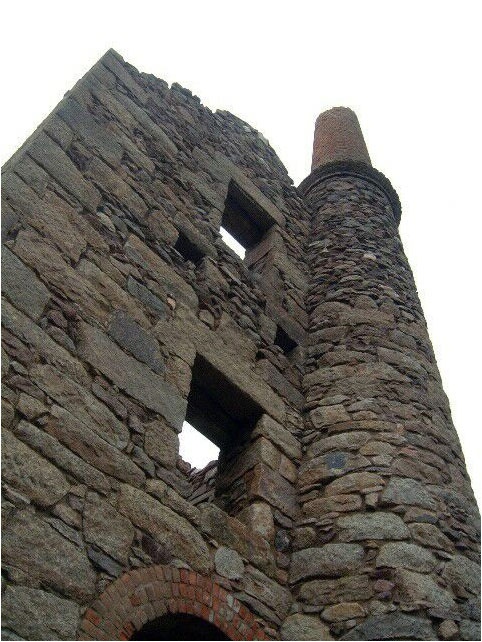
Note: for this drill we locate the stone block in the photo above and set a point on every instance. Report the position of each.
(406, 555)
(132, 337)
(304, 627)
(411, 492)
(330, 560)
(105, 527)
(376, 525)
(161, 442)
(24, 290)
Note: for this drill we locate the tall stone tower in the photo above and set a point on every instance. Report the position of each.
(339, 508)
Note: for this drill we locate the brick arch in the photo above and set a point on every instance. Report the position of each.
(142, 595)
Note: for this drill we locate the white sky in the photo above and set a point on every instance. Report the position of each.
(411, 71)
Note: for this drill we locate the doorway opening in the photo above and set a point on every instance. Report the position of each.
(179, 626)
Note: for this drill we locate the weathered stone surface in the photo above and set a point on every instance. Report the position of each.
(80, 403)
(32, 545)
(106, 528)
(22, 287)
(37, 615)
(91, 448)
(469, 630)
(431, 536)
(259, 517)
(354, 483)
(330, 465)
(51, 448)
(30, 474)
(168, 496)
(304, 627)
(343, 611)
(377, 525)
(162, 443)
(405, 555)
(392, 626)
(344, 441)
(416, 588)
(130, 336)
(282, 438)
(335, 503)
(135, 378)
(325, 561)
(228, 563)
(461, 571)
(173, 532)
(400, 490)
(327, 415)
(333, 591)
(268, 485)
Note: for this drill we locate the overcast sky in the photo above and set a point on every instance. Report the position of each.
(411, 71)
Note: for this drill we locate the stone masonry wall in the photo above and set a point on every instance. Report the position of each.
(116, 280)
(339, 508)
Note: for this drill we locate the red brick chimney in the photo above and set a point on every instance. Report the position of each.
(338, 137)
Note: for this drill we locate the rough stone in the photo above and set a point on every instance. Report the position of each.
(392, 626)
(431, 536)
(325, 561)
(343, 611)
(172, 532)
(418, 588)
(22, 287)
(304, 627)
(30, 474)
(133, 338)
(354, 483)
(162, 444)
(405, 555)
(461, 571)
(33, 546)
(411, 492)
(135, 378)
(106, 528)
(332, 591)
(37, 615)
(376, 525)
(228, 563)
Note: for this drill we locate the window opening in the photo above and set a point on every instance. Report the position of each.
(243, 219)
(284, 341)
(233, 243)
(187, 249)
(195, 448)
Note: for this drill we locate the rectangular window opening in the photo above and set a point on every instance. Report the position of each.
(243, 222)
(219, 420)
(284, 341)
(187, 249)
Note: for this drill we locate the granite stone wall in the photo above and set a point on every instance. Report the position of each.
(340, 506)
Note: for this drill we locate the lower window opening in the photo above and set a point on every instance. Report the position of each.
(179, 627)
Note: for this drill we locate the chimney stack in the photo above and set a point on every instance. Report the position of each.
(338, 137)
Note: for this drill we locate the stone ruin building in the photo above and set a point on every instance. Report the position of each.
(340, 507)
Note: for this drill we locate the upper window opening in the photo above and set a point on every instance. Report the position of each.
(187, 249)
(244, 219)
(217, 408)
(284, 341)
(233, 243)
(195, 448)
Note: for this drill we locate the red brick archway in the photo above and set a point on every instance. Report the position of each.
(142, 595)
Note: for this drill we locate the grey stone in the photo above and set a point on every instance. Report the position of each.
(344, 441)
(104, 562)
(431, 536)
(325, 561)
(327, 415)
(91, 448)
(153, 302)
(343, 611)
(38, 615)
(105, 527)
(33, 546)
(392, 626)
(333, 591)
(21, 285)
(411, 492)
(161, 443)
(461, 571)
(173, 532)
(31, 474)
(377, 525)
(354, 483)
(129, 335)
(330, 465)
(469, 630)
(405, 555)
(282, 438)
(271, 593)
(80, 403)
(131, 376)
(304, 627)
(418, 588)
(53, 450)
(228, 563)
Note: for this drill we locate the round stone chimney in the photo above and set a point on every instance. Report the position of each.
(338, 137)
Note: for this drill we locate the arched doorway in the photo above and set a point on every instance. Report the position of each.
(166, 603)
(179, 626)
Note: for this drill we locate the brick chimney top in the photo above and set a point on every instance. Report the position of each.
(338, 137)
